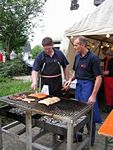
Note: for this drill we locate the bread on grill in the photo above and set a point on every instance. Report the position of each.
(50, 100)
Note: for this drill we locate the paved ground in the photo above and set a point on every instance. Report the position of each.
(12, 143)
(24, 78)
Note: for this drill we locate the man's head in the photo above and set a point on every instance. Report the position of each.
(80, 43)
(47, 44)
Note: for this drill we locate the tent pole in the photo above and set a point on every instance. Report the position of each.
(99, 48)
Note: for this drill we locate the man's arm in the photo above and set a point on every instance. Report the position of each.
(67, 83)
(66, 73)
(34, 77)
(92, 98)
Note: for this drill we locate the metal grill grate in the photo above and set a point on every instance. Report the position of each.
(64, 108)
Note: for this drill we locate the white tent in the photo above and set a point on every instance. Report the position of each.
(95, 26)
(99, 22)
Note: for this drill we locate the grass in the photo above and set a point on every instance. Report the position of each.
(13, 86)
(9, 86)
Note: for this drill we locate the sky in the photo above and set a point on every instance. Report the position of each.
(58, 18)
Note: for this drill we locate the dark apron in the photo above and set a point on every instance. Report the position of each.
(83, 91)
(51, 76)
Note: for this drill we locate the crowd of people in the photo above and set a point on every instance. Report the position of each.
(86, 69)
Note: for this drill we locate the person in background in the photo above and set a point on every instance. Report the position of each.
(108, 79)
(48, 63)
(86, 70)
(105, 60)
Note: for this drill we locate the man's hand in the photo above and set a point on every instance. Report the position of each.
(92, 99)
(33, 86)
(66, 85)
(34, 77)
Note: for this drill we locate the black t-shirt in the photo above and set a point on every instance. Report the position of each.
(87, 67)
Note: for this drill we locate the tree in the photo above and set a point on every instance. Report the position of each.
(16, 21)
(36, 50)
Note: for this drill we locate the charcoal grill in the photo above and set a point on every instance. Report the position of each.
(67, 110)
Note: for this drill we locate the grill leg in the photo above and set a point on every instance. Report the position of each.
(1, 144)
(92, 130)
(70, 131)
(28, 130)
(53, 139)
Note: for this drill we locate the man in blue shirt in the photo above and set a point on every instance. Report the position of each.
(49, 63)
(88, 74)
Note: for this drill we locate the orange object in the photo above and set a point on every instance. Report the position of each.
(38, 95)
(107, 128)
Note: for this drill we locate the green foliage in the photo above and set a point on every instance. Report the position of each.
(12, 68)
(16, 21)
(3, 79)
(19, 51)
(36, 50)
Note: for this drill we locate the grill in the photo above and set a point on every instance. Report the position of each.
(65, 108)
(59, 114)
(59, 127)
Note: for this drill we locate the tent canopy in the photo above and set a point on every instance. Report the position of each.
(95, 25)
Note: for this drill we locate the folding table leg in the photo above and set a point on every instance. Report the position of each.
(106, 143)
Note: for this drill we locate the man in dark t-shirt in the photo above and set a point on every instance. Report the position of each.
(86, 70)
(48, 63)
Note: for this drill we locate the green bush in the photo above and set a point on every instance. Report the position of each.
(36, 50)
(3, 79)
(13, 68)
